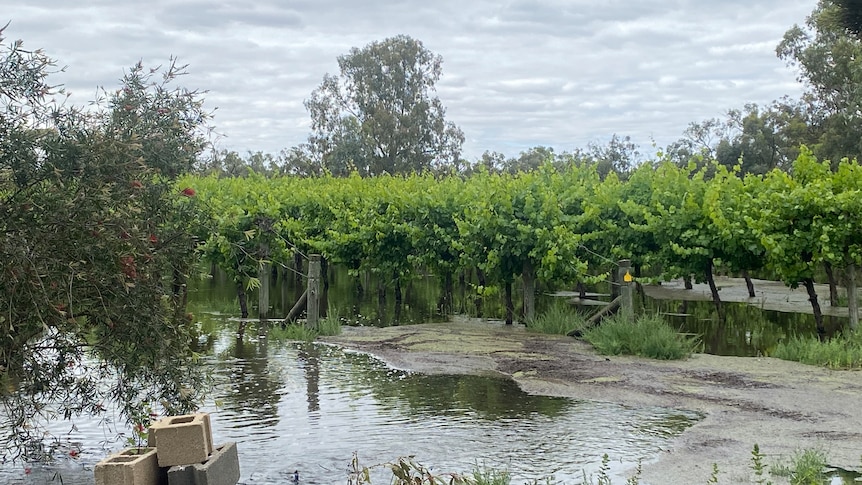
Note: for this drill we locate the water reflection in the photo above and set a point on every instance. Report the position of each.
(309, 360)
(331, 403)
(249, 386)
(746, 331)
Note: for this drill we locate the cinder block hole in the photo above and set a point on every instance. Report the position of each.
(122, 459)
(182, 419)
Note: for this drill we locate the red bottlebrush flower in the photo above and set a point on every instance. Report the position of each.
(136, 184)
(73, 453)
(140, 427)
(153, 239)
(60, 307)
(188, 192)
(28, 471)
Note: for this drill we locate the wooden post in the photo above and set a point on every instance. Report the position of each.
(313, 308)
(263, 275)
(852, 301)
(625, 281)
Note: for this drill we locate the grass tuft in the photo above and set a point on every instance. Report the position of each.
(559, 319)
(329, 326)
(839, 352)
(647, 336)
(806, 467)
(490, 476)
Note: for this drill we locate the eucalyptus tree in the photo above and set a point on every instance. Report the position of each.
(94, 247)
(850, 15)
(756, 138)
(380, 115)
(619, 155)
(829, 61)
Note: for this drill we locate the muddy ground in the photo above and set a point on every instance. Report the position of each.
(782, 406)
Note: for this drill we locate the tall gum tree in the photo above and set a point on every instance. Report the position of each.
(379, 114)
(829, 61)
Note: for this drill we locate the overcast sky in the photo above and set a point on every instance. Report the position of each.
(516, 74)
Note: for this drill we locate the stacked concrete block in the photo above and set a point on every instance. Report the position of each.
(180, 452)
(132, 466)
(222, 468)
(182, 440)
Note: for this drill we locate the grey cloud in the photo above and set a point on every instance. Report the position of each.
(516, 74)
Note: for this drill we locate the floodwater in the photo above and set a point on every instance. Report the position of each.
(305, 407)
(309, 407)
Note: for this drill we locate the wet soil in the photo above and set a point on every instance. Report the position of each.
(782, 406)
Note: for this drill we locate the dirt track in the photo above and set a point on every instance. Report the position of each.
(782, 406)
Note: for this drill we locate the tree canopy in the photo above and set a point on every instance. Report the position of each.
(379, 114)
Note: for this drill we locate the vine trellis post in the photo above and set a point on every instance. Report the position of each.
(625, 281)
(263, 276)
(313, 307)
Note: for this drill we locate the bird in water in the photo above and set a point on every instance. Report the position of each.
(296, 476)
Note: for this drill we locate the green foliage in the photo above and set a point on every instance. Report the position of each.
(379, 116)
(758, 466)
(489, 476)
(839, 352)
(805, 467)
(648, 336)
(96, 242)
(328, 326)
(828, 60)
(331, 325)
(713, 478)
(558, 319)
(551, 227)
(294, 331)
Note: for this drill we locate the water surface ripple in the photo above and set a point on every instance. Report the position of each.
(309, 407)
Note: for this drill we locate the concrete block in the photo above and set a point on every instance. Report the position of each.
(221, 468)
(132, 466)
(181, 440)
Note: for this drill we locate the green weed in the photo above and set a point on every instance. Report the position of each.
(331, 325)
(293, 331)
(806, 467)
(490, 476)
(559, 319)
(839, 352)
(648, 336)
(758, 466)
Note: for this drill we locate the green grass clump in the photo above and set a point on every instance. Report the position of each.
(806, 467)
(839, 352)
(648, 336)
(490, 476)
(329, 326)
(559, 319)
(293, 331)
